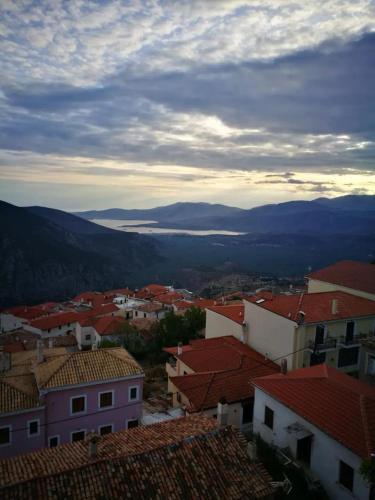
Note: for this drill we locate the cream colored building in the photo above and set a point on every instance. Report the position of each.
(225, 320)
(357, 278)
(311, 328)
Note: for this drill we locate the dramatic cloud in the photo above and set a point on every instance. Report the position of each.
(150, 95)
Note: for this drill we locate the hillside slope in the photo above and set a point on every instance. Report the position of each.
(41, 260)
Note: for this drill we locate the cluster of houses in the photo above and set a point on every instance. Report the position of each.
(296, 369)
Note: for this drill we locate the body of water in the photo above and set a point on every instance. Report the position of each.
(135, 226)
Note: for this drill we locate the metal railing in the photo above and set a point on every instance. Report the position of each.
(329, 343)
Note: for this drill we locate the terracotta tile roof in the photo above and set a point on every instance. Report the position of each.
(205, 344)
(204, 303)
(150, 307)
(143, 324)
(181, 458)
(29, 339)
(18, 393)
(168, 298)
(56, 320)
(233, 312)
(108, 325)
(348, 273)
(339, 405)
(26, 312)
(318, 306)
(87, 366)
(183, 305)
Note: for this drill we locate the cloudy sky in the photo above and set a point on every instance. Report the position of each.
(141, 103)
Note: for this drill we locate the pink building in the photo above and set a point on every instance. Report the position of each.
(53, 396)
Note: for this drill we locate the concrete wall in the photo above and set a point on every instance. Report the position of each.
(326, 452)
(315, 286)
(9, 322)
(271, 334)
(218, 325)
(54, 332)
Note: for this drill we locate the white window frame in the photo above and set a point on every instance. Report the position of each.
(113, 400)
(53, 437)
(131, 420)
(105, 425)
(72, 414)
(129, 393)
(368, 356)
(29, 435)
(75, 432)
(10, 435)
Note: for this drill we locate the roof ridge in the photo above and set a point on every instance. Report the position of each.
(68, 356)
(207, 389)
(15, 388)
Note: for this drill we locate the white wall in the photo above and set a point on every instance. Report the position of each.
(54, 332)
(315, 286)
(326, 452)
(270, 334)
(9, 322)
(218, 325)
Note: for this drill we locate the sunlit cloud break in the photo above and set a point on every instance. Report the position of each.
(140, 98)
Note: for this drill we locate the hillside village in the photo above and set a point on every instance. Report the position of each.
(158, 393)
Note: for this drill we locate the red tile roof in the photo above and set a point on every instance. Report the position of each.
(108, 325)
(339, 405)
(55, 320)
(182, 458)
(183, 305)
(26, 312)
(168, 298)
(205, 390)
(348, 273)
(204, 303)
(233, 312)
(318, 306)
(150, 307)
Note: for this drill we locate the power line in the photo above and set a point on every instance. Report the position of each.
(103, 411)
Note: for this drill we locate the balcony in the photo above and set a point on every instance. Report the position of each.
(328, 345)
(344, 342)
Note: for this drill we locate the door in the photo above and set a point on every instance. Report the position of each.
(349, 331)
(319, 335)
(304, 449)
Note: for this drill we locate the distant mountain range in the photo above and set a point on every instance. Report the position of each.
(343, 215)
(48, 254)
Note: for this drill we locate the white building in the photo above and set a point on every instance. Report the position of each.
(222, 320)
(321, 418)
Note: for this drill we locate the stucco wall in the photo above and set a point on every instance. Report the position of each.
(315, 286)
(20, 441)
(58, 408)
(270, 334)
(218, 325)
(9, 322)
(326, 452)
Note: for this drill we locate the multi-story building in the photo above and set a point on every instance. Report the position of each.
(324, 420)
(225, 320)
(52, 396)
(312, 328)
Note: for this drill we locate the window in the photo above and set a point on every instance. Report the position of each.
(53, 441)
(132, 423)
(136, 313)
(348, 357)
(33, 428)
(144, 315)
(133, 393)
(346, 475)
(78, 404)
(106, 399)
(319, 334)
(105, 429)
(317, 359)
(59, 327)
(247, 411)
(268, 417)
(5, 435)
(78, 436)
(88, 337)
(370, 364)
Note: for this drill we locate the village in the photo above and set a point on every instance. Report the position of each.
(170, 395)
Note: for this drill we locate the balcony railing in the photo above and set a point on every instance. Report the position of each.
(355, 341)
(328, 344)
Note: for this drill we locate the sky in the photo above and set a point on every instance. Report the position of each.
(142, 103)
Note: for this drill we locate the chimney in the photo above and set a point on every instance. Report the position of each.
(5, 360)
(94, 346)
(179, 349)
(252, 450)
(335, 306)
(284, 366)
(222, 413)
(39, 351)
(93, 439)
